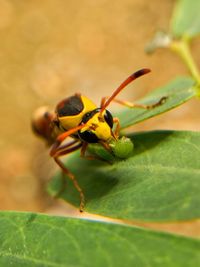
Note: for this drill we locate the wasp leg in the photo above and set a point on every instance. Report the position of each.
(117, 128)
(62, 137)
(93, 157)
(135, 105)
(106, 146)
(57, 150)
(83, 151)
(76, 185)
(64, 150)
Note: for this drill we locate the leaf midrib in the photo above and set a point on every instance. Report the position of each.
(162, 167)
(33, 260)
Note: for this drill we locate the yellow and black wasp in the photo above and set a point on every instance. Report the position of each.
(79, 118)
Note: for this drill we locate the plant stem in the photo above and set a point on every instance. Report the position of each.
(182, 49)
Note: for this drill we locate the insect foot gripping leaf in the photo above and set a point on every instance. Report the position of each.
(122, 148)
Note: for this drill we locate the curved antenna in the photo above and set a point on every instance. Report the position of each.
(131, 78)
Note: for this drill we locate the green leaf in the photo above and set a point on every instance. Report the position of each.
(158, 182)
(33, 240)
(186, 20)
(177, 92)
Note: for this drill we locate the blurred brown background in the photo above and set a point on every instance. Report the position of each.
(53, 48)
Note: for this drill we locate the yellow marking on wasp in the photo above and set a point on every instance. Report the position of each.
(98, 126)
(69, 122)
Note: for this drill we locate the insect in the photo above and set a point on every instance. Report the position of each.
(79, 118)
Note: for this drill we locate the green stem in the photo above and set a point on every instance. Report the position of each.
(182, 49)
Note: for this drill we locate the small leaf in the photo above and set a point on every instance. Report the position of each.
(186, 20)
(158, 182)
(33, 240)
(177, 92)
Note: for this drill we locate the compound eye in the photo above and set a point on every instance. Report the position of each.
(108, 118)
(88, 137)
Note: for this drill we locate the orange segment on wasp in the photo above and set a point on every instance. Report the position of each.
(78, 117)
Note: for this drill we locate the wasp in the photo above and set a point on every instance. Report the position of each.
(79, 118)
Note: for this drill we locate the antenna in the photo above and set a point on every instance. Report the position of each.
(131, 78)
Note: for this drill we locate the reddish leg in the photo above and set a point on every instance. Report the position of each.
(91, 157)
(63, 152)
(58, 150)
(83, 151)
(76, 185)
(117, 128)
(135, 105)
(62, 137)
(65, 149)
